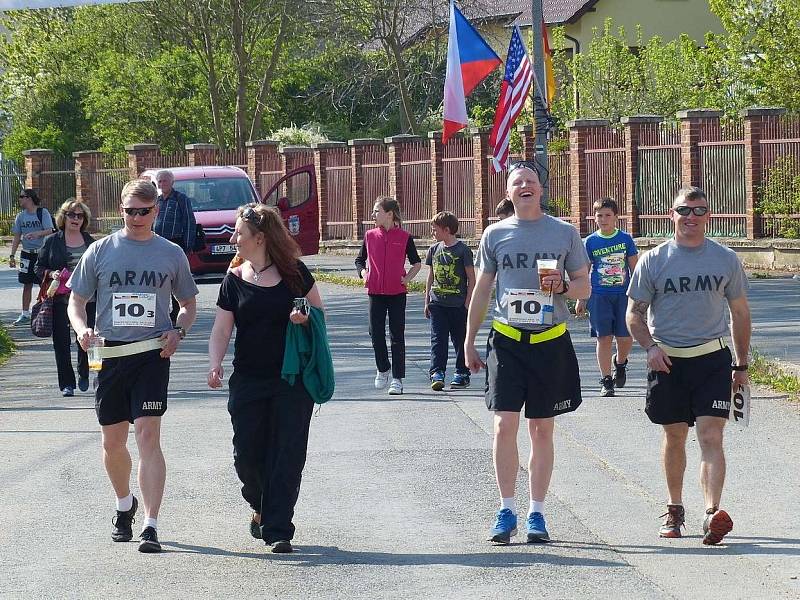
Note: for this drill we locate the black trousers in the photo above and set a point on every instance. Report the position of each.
(395, 306)
(270, 421)
(448, 321)
(62, 342)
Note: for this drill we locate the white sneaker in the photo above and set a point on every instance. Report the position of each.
(381, 379)
(22, 319)
(396, 387)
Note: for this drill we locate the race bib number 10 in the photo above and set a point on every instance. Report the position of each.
(529, 307)
(134, 310)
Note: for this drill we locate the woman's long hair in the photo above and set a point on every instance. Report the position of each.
(280, 248)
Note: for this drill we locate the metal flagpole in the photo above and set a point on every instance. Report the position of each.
(541, 119)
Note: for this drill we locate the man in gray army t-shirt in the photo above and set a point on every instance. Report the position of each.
(530, 361)
(134, 274)
(677, 300)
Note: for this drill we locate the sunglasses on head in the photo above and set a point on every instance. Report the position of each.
(251, 216)
(523, 164)
(74, 215)
(684, 210)
(142, 212)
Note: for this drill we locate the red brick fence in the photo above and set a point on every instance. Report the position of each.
(641, 163)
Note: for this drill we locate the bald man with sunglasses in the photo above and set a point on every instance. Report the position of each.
(134, 273)
(678, 298)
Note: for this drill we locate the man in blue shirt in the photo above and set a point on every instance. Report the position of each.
(613, 254)
(175, 220)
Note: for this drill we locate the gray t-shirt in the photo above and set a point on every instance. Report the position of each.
(28, 222)
(687, 289)
(511, 247)
(134, 281)
(449, 264)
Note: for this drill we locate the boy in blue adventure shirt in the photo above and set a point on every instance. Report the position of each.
(613, 254)
(448, 289)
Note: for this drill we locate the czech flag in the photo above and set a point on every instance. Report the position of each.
(469, 60)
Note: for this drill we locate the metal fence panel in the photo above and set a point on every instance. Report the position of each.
(415, 174)
(458, 184)
(723, 180)
(339, 225)
(12, 182)
(658, 183)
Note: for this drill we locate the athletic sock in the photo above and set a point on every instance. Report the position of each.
(536, 507)
(125, 504)
(509, 503)
(26, 313)
(150, 522)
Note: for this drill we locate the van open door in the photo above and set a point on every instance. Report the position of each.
(295, 195)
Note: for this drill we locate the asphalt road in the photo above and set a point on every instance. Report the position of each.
(398, 492)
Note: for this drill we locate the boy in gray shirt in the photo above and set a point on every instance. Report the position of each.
(677, 300)
(451, 277)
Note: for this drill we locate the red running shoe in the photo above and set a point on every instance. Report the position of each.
(673, 522)
(717, 525)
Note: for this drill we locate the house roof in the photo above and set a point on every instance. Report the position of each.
(555, 11)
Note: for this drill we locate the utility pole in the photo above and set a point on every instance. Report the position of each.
(541, 120)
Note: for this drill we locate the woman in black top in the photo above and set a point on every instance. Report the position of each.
(270, 417)
(57, 259)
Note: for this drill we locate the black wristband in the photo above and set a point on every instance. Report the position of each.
(564, 288)
(739, 367)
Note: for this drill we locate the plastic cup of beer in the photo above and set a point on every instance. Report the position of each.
(546, 266)
(93, 353)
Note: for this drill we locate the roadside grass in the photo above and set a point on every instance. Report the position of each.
(355, 282)
(770, 373)
(7, 345)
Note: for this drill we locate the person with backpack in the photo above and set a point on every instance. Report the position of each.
(31, 225)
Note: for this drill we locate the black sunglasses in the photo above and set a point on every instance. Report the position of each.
(684, 210)
(21, 196)
(142, 212)
(74, 215)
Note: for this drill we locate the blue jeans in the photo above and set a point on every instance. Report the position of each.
(448, 322)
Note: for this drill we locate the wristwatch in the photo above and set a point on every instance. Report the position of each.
(740, 367)
(181, 331)
(564, 289)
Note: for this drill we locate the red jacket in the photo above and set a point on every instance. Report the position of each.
(386, 257)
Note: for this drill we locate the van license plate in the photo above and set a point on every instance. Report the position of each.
(223, 249)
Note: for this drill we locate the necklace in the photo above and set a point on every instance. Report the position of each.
(257, 274)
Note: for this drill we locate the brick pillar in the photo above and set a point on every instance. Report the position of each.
(202, 154)
(528, 135)
(261, 155)
(437, 172)
(87, 163)
(633, 129)
(754, 120)
(395, 144)
(480, 170)
(36, 161)
(141, 157)
(357, 148)
(691, 123)
(321, 171)
(578, 172)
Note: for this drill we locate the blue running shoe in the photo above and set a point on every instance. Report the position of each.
(504, 527)
(460, 381)
(437, 381)
(537, 530)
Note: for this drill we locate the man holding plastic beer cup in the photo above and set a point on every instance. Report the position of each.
(530, 362)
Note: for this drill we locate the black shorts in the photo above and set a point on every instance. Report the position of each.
(542, 377)
(28, 275)
(130, 387)
(694, 387)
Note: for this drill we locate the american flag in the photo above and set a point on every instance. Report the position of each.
(513, 94)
